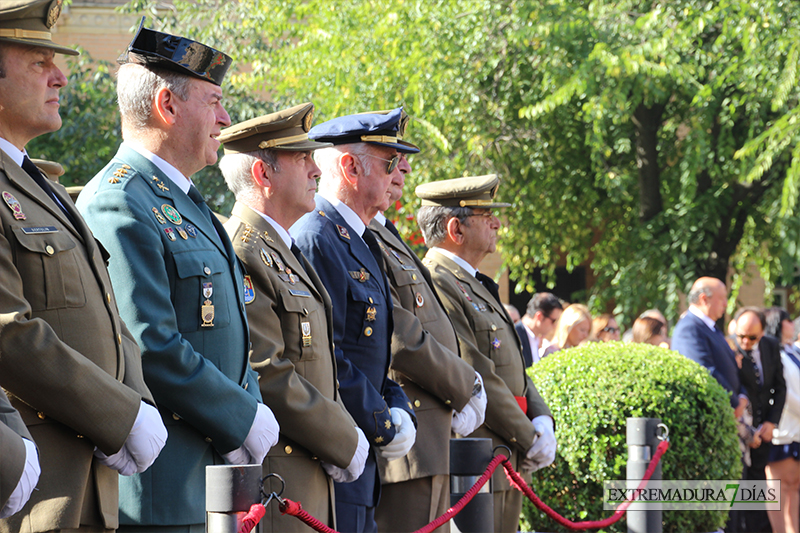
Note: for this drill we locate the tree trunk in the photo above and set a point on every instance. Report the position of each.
(647, 121)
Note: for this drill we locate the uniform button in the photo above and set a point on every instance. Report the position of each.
(494, 328)
(108, 297)
(414, 277)
(512, 439)
(447, 402)
(314, 458)
(208, 439)
(175, 416)
(119, 338)
(417, 403)
(49, 249)
(305, 312)
(207, 271)
(79, 436)
(40, 414)
(370, 300)
(245, 386)
(288, 450)
(368, 331)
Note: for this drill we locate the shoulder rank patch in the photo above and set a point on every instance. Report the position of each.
(160, 184)
(360, 275)
(249, 291)
(121, 172)
(343, 232)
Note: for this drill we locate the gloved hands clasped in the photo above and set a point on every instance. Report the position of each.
(473, 414)
(404, 437)
(357, 463)
(543, 451)
(145, 441)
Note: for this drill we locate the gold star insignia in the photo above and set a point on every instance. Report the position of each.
(387, 424)
(113, 179)
(162, 187)
(378, 440)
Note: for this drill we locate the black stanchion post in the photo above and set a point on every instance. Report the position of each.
(642, 437)
(468, 461)
(230, 491)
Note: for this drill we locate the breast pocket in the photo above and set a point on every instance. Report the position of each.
(489, 331)
(412, 287)
(49, 267)
(200, 295)
(304, 328)
(368, 318)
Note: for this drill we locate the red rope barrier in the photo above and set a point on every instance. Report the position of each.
(292, 508)
(519, 483)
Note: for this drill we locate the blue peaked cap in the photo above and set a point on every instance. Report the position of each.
(381, 128)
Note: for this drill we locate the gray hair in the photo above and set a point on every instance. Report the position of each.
(432, 221)
(694, 294)
(235, 169)
(327, 159)
(137, 87)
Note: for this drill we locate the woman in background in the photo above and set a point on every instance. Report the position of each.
(572, 328)
(650, 330)
(605, 328)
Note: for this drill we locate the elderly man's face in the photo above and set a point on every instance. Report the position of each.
(293, 185)
(380, 188)
(202, 116)
(480, 232)
(748, 331)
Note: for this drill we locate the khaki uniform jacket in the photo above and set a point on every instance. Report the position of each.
(290, 317)
(12, 449)
(70, 366)
(491, 345)
(425, 362)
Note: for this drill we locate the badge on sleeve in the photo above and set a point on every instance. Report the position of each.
(14, 205)
(249, 291)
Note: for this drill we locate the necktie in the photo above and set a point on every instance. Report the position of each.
(490, 285)
(372, 243)
(391, 227)
(41, 181)
(298, 254)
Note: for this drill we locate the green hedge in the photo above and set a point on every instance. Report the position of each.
(591, 390)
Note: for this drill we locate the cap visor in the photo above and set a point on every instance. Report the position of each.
(303, 146)
(44, 44)
(406, 148)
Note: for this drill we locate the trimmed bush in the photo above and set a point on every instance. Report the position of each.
(591, 390)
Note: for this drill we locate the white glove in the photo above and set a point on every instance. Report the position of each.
(473, 414)
(543, 451)
(145, 441)
(404, 437)
(27, 482)
(262, 436)
(357, 463)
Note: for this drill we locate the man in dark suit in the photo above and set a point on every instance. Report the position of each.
(539, 321)
(697, 337)
(179, 282)
(762, 376)
(356, 175)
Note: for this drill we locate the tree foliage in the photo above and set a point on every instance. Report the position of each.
(614, 125)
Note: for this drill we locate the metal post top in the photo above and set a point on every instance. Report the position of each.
(642, 431)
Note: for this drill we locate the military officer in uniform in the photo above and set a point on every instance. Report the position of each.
(459, 226)
(69, 365)
(444, 389)
(334, 237)
(178, 279)
(19, 460)
(269, 167)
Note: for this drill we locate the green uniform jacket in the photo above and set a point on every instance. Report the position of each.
(490, 344)
(167, 260)
(289, 312)
(70, 366)
(425, 362)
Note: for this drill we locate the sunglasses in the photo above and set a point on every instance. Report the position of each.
(393, 162)
(751, 338)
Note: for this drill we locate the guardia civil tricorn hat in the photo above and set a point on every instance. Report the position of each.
(152, 48)
(29, 22)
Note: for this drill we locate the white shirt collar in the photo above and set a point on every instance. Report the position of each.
(534, 342)
(12, 151)
(170, 171)
(702, 316)
(282, 233)
(381, 218)
(349, 216)
(457, 260)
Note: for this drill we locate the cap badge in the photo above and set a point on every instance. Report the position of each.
(53, 12)
(308, 120)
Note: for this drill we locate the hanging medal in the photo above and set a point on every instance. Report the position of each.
(207, 309)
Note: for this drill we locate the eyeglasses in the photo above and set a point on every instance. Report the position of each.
(393, 162)
(752, 338)
(609, 329)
